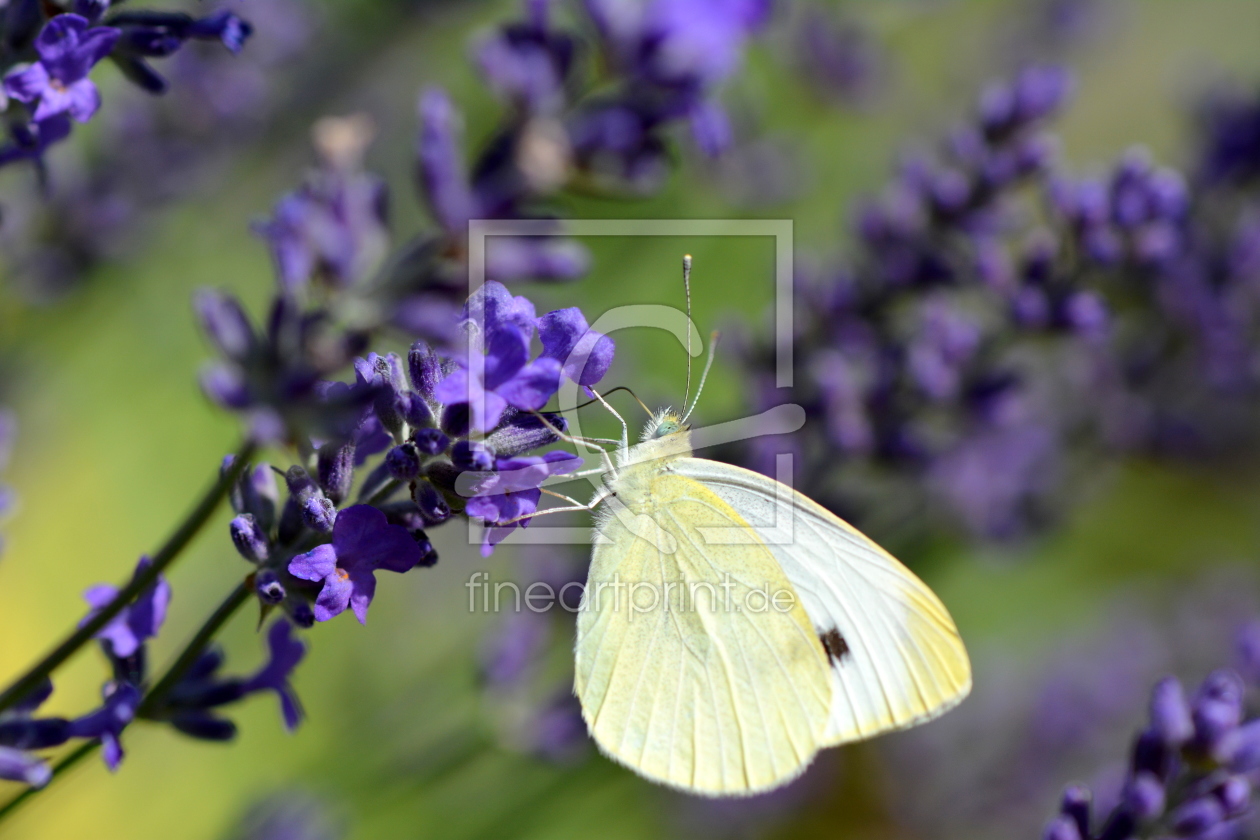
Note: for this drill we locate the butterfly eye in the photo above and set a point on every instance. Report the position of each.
(667, 427)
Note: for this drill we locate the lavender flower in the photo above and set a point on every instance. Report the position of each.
(528, 61)
(107, 723)
(503, 377)
(68, 47)
(285, 654)
(193, 704)
(333, 228)
(363, 541)
(149, 34)
(1187, 771)
(511, 491)
(124, 635)
(907, 349)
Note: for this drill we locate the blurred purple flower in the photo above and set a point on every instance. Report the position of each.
(528, 61)
(107, 723)
(286, 652)
(69, 47)
(21, 732)
(334, 227)
(151, 34)
(128, 630)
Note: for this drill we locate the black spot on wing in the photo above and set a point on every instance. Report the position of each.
(835, 645)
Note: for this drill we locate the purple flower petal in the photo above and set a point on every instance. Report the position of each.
(21, 766)
(83, 100)
(334, 597)
(365, 540)
(364, 588)
(26, 84)
(487, 411)
(530, 389)
(454, 388)
(96, 43)
(316, 564)
(493, 307)
(507, 351)
(286, 652)
(585, 354)
(60, 40)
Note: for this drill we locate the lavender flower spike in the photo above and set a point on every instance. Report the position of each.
(363, 541)
(58, 82)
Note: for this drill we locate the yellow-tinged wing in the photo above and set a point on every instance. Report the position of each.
(713, 689)
(896, 656)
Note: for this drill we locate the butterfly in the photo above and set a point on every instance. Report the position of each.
(731, 627)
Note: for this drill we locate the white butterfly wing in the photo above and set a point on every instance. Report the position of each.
(704, 695)
(896, 657)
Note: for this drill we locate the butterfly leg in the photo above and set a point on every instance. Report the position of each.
(545, 511)
(567, 438)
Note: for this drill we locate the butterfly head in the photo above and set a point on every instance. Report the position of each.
(664, 423)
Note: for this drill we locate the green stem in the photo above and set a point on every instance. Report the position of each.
(163, 558)
(81, 752)
(233, 602)
(391, 487)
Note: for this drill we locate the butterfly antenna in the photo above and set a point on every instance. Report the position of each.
(687, 288)
(592, 401)
(708, 363)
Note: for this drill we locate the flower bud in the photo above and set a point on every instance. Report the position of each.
(1170, 712)
(428, 554)
(425, 368)
(522, 432)
(1197, 817)
(225, 323)
(249, 539)
(336, 470)
(319, 513)
(267, 585)
(1061, 828)
(1076, 805)
(300, 613)
(471, 456)
(403, 462)
(416, 411)
(1217, 707)
(1234, 794)
(1144, 796)
(1151, 753)
(432, 506)
(430, 441)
